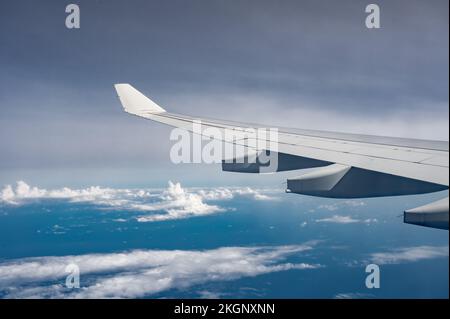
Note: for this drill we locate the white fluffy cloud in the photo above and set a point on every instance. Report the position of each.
(173, 203)
(141, 273)
(409, 254)
(177, 204)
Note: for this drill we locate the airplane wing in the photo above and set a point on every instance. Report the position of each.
(335, 165)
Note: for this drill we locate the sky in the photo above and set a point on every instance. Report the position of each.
(82, 181)
(303, 64)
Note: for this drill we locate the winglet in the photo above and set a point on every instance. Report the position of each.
(135, 102)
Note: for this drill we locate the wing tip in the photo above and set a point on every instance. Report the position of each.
(135, 102)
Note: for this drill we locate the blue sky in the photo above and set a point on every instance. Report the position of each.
(306, 64)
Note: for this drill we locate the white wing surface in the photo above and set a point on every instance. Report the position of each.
(345, 165)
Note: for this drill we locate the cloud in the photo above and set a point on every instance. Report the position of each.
(223, 193)
(338, 220)
(353, 295)
(7, 194)
(216, 194)
(140, 273)
(342, 204)
(257, 195)
(173, 203)
(370, 220)
(23, 193)
(409, 254)
(343, 219)
(205, 294)
(178, 204)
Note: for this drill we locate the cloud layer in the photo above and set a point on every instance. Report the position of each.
(140, 273)
(173, 203)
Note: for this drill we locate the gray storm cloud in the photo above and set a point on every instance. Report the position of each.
(312, 63)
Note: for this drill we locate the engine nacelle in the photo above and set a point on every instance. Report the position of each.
(340, 181)
(433, 215)
(322, 179)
